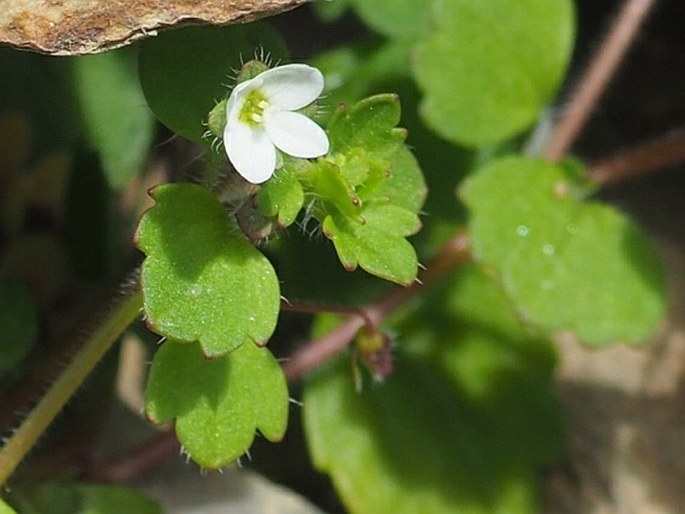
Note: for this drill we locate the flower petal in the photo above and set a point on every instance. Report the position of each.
(250, 151)
(292, 86)
(295, 134)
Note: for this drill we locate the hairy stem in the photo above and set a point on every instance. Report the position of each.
(597, 76)
(653, 155)
(61, 390)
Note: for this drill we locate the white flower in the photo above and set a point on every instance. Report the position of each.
(260, 117)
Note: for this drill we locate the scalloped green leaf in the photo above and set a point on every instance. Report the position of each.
(369, 124)
(202, 279)
(377, 242)
(184, 72)
(118, 125)
(489, 68)
(218, 404)
(464, 424)
(566, 264)
(405, 186)
(19, 322)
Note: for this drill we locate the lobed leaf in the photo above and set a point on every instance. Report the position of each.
(376, 243)
(489, 68)
(202, 280)
(369, 124)
(566, 264)
(218, 404)
(463, 423)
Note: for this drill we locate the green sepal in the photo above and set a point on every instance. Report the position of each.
(202, 279)
(218, 404)
(281, 197)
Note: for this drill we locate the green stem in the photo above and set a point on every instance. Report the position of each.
(62, 389)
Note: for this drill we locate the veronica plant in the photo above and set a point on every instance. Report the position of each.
(434, 394)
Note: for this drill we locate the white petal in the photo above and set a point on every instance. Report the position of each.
(292, 86)
(237, 98)
(250, 151)
(295, 134)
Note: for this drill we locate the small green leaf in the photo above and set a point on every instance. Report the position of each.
(376, 243)
(202, 280)
(281, 197)
(369, 124)
(567, 264)
(118, 125)
(218, 404)
(184, 72)
(489, 68)
(19, 322)
(395, 18)
(464, 423)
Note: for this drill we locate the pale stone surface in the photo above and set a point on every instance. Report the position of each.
(182, 489)
(72, 27)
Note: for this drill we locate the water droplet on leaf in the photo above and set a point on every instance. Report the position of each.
(522, 230)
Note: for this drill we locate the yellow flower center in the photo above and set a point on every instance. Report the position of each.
(252, 112)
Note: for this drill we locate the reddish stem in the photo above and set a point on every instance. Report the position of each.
(653, 155)
(317, 351)
(136, 461)
(597, 76)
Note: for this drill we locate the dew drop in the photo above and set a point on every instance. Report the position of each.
(196, 290)
(522, 230)
(548, 249)
(572, 228)
(546, 285)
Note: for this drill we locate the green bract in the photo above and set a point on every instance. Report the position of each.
(567, 264)
(218, 404)
(202, 280)
(463, 423)
(489, 68)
